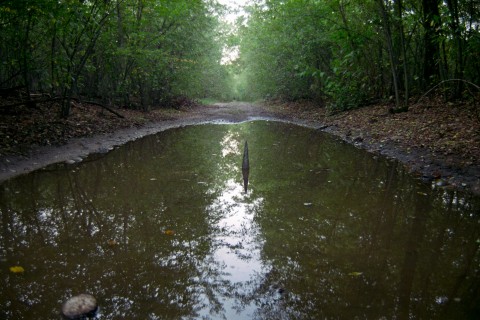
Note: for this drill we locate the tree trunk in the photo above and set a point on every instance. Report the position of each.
(457, 36)
(53, 48)
(431, 25)
(26, 60)
(76, 69)
(391, 54)
(403, 50)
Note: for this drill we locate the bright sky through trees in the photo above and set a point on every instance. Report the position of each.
(235, 10)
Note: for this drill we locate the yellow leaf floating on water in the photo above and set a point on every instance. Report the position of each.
(17, 269)
(169, 232)
(355, 274)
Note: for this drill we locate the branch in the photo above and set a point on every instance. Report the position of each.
(448, 80)
(100, 105)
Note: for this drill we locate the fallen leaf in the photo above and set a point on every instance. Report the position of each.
(17, 269)
(169, 232)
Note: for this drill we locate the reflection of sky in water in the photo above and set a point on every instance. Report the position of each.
(238, 252)
(230, 146)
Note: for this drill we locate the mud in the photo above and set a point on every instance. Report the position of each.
(77, 149)
(438, 170)
(427, 166)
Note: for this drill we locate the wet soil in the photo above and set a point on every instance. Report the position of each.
(93, 131)
(440, 144)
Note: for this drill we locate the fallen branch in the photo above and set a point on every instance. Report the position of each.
(100, 105)
(448, 80)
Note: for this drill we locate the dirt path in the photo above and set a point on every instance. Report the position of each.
(421, 161)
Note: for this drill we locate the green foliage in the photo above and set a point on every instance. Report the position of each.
(349, 53)
(142, 54)
(294, 49)
(132, 53)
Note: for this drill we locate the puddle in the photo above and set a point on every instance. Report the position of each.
(162, 228)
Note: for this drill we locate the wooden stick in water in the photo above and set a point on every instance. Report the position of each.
(245, 167)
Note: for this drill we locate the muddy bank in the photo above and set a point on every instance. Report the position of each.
(438, 143)
(75, 149)
(443, 169)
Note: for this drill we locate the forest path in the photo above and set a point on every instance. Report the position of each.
(235, 111)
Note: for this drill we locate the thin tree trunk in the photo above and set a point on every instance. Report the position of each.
(399, 9)
(78, 69)
(53, 48)
(391, 54)
(431, 26)
(457, 35)
(26, 62)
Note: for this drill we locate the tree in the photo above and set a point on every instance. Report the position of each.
(134, 53)
(351, 53)
(431, 25)
(79, 27)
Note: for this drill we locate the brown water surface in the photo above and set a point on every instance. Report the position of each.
(161, 228)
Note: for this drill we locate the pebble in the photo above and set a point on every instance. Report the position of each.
(80, 306)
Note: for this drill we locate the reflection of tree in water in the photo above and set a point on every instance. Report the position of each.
(330, 233)
(102, 229)
(368, 247)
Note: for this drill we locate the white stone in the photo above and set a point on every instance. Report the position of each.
(80, 306)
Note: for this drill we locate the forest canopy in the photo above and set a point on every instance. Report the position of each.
(351, 53)
(132, 53)
(142, 54)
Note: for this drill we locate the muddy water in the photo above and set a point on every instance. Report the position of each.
(161, 228)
